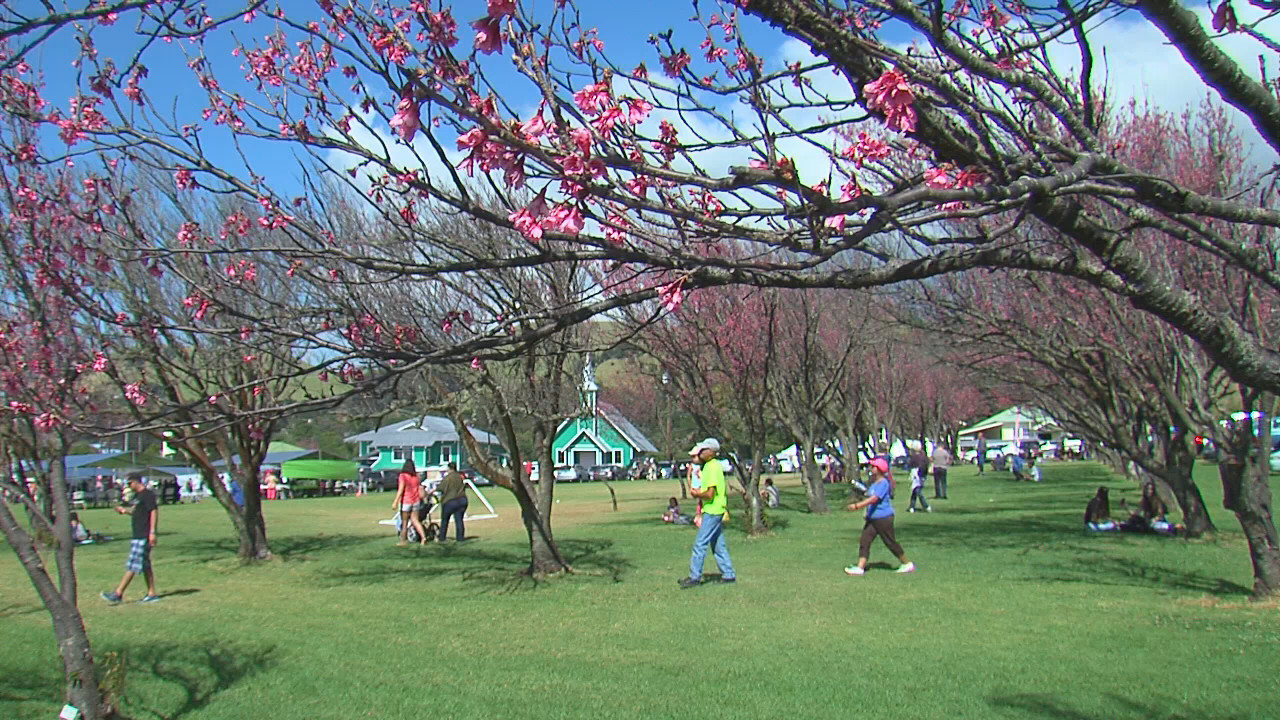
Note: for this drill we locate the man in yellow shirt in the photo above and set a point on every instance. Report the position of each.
(714, 508)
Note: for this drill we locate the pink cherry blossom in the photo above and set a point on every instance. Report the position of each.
(471, 138)
(528, 220)
(638, 110)
(566, 218)
(836, 222)
(502, 8)
(476, 364)
(535, 128)
(674, 64)
(184, 179)
(592, 98)
(406, 121)
(937, 178)
(134, 393)
(671, 295)
(488, 35)
(892, 95)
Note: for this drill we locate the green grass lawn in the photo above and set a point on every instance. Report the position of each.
(1014, 613)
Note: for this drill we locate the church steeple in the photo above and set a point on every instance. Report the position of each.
(589, 392)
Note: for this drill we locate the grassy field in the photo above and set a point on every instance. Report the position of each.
(1014, 613)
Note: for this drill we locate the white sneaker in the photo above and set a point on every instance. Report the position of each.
(911, 509)
(929, 509)
(854, 570)
(908, 568)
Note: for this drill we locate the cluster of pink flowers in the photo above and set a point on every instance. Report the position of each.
(134, 393)
(671, 295)
(892, 95)
(406, 121)
(489, 35)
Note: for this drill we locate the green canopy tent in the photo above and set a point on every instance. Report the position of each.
(321, 470)
(309, 478)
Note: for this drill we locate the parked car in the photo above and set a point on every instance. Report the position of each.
(607, 472)
(1275, 461)
(572, 473)
(475, 477)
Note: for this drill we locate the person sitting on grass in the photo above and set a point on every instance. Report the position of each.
(1097, 516)
(1033, 470)
(771, 496)
(673, 514)
(81, 535)
(1018, 465)
(1150, 517)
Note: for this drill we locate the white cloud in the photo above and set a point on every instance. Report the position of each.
(1135, 61)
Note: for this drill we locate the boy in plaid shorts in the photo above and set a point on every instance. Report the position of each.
(145, 516)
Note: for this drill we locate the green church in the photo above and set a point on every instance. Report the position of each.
(600, 435)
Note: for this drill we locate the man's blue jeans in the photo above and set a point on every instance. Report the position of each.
(711, 535)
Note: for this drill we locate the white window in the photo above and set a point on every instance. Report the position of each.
(397, 454)
(446, 453)
(559, 457)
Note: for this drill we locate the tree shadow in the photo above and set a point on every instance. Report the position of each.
(1050, 706)
(198, 672)
(488, 568)
(1136, 573)
(288, 548)
(20, 609)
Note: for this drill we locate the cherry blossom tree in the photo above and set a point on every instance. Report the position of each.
(718, 353)
(49, 380)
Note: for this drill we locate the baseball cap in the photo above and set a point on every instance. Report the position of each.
(708, 444)
(880, 464)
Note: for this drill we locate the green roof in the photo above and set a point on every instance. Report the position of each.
(1033, 417)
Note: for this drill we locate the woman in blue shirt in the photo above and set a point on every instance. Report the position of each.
(879, 505)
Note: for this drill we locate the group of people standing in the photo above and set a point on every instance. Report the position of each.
(413, 501)
(918, 464)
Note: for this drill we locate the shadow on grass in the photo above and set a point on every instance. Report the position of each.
(490, 569)
(287, 548)
(1136, 573)
(197, 672)
(20, 609)
(29, 685)
(1051, 706)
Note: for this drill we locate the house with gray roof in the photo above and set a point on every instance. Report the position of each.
(431, 441)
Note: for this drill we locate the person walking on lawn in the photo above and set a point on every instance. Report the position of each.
(941, 461)
(408, 502)
(145, 516)
(714, 509)
(453, 502)
(879, 505)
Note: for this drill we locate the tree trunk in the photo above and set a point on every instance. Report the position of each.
(815, 492)
(756, 524)
(1194, 513)
(251, 530)
(1246, 493)
(79, 671)
(544, 556)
